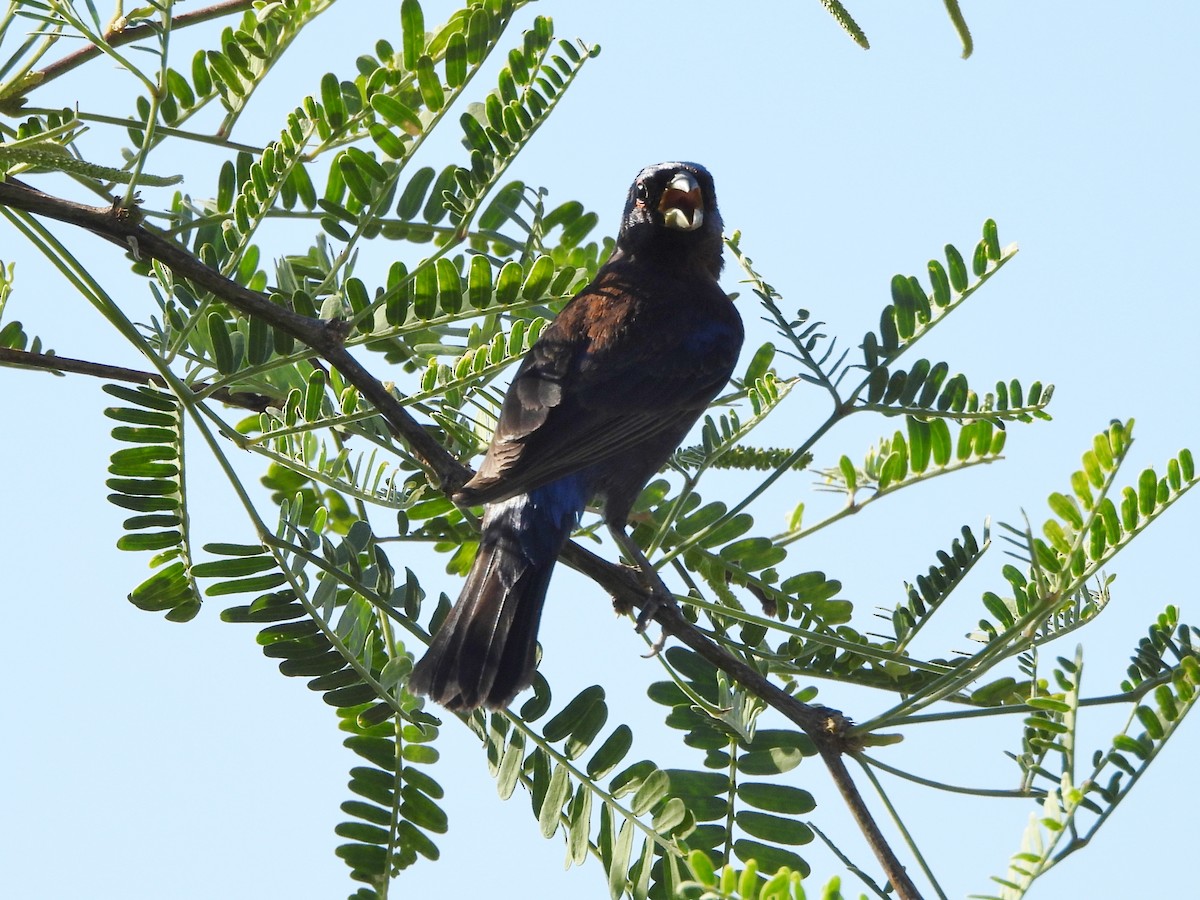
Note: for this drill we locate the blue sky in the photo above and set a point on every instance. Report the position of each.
(144, 759)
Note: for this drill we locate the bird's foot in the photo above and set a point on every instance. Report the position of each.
(653, 604)
(657, 646)
(658, 594)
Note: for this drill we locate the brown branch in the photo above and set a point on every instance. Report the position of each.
(134, 33)
(825, 727)
(51, 362)
(122, 227)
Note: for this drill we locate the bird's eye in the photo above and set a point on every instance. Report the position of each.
(640, 193)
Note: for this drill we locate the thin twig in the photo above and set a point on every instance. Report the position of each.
(51, 362)
(827, 728)
(134, 33)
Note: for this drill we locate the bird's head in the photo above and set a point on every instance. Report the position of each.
(672, 213)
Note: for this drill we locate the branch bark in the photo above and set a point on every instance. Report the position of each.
(827, 728)
(52, 362)
(122, 227)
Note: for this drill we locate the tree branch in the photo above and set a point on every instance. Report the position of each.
(51, 362)
(122, 226)
(827, 728)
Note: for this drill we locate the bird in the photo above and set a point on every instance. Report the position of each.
(605, 394)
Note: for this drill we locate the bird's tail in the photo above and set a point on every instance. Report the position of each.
(485, 652)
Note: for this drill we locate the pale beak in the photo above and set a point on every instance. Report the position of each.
(682, 205)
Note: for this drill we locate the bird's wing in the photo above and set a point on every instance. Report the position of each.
(568, 408)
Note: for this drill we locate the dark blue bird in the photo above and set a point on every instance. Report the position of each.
(599, 403)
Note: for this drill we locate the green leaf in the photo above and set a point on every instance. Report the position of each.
(631, 778)
(1147, 492)
(508, 284)
(235, 567)
(579, 821)
(940, 282)
(957, 270)
(430, 84)
(779, 798)
(156, 540)
(904, 307)
(354, 179)
(419, 809)
(573, 714)
(386, 141)
(651, 791)
(1129, 744)
(585, 730)
(672, 814)
(402, 117)
(610, 753)
(760, 363)
(372, 784)
(141, 416)
(996, 692)
(222, 347)
(421, 754)
(509, 771)
(478, 35)
(149, 397)
(449, 286)
(702, 868)
(770, 859)
(412, 23)
(1065, 508)
(618, 865)
(445, 185)
(377, 750)
(220, 549)
(413, 195)
(691, 785)
(919, 444)
(979, 260)
(479, 282)
(540, 274)
(557, 794)
(456, 61)
(361, 831)
(1150, 722)
(363, 857)
(773, 828)
(200, 74)
(367, 811)
(222, 68)
(331, 99)
(769, 762)
(314, 395)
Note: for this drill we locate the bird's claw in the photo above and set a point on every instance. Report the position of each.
(654, 603)
(647, 614)
(657, 646)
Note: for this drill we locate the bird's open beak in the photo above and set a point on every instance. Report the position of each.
(682, 205)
